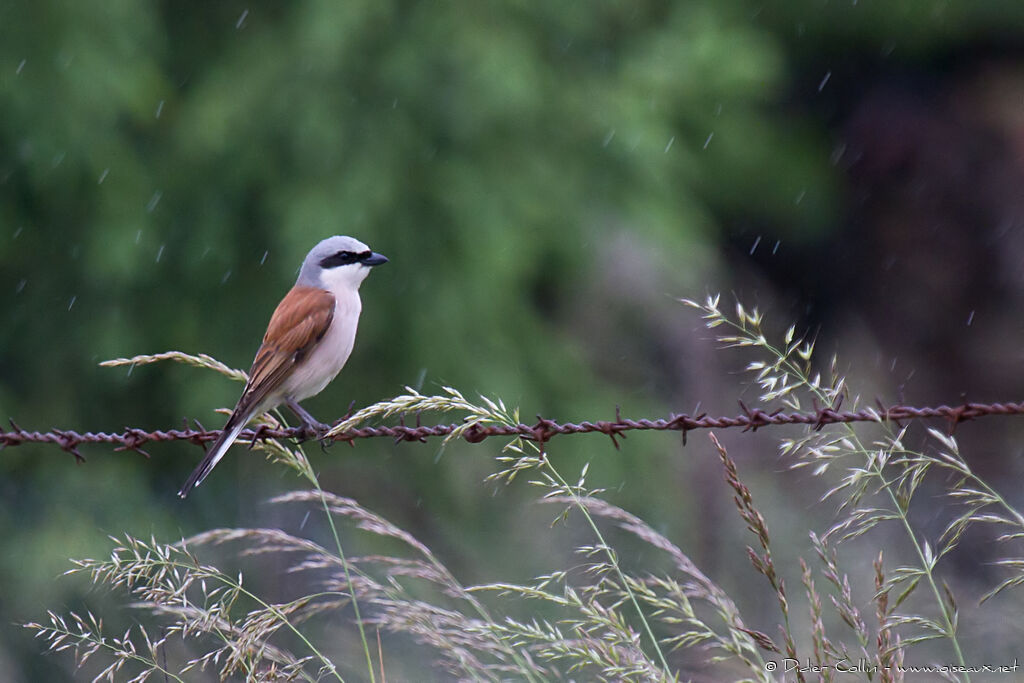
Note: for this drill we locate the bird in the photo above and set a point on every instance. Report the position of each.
(308, 340)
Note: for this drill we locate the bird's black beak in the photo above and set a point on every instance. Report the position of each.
(374, 259)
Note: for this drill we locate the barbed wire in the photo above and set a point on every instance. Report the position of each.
(751, 419)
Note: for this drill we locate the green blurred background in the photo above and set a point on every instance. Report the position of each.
(546, 179)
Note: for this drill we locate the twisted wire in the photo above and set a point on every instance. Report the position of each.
(750, 419)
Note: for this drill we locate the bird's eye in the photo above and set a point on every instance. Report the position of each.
(341, 258)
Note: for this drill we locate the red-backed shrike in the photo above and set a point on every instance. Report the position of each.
(309, 338)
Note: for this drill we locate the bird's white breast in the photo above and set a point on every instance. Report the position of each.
(327, 358)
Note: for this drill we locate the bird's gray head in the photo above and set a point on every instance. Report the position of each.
(338, 262)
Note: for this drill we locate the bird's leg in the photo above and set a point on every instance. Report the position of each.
(312, 425)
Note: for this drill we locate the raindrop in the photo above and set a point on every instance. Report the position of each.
(892, 366)
(138, 236)
(837, 154)
(305, 519)
(58, 158)
(103, 176)
(159, 109)
(72, 302)
(669, 145)
(756, 242)
(17, 233)
(154, 200)
(21, 286)
(225, 278)
(263, 260)
(970, 319)
(776, 247)
(828, 75)
(159, 253)
(241, 19)
(708, 141)
(21, 65)
(608, 138)
(800, 196)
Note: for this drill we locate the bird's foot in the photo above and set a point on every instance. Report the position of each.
(315, 430)
(312, 428)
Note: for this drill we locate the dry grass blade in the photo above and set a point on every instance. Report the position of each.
(672, 601)
(197, 361)
(763, 561)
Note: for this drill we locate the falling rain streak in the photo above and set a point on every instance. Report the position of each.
(821, 85)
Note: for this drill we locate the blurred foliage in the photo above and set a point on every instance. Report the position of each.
(165, 166)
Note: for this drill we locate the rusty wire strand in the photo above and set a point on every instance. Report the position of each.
(132, 439)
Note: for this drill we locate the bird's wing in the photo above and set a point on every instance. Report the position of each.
(299, 323)
(297, 326)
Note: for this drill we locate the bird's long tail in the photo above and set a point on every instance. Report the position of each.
(235, 424)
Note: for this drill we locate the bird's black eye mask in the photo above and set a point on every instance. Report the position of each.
(344, 258)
